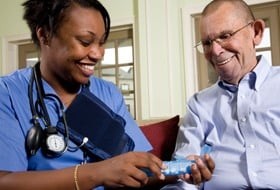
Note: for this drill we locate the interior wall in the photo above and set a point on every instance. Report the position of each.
(160, 58)
(11, 23)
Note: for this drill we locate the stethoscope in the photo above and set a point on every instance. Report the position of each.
(52, 143)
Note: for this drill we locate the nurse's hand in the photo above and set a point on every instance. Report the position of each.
(125, 170)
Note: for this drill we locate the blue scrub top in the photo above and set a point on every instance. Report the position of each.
(15, 121)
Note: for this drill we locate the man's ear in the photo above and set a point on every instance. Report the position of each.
(43, 36)
(259, 27)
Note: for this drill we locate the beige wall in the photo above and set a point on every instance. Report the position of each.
(11, 17)
(10, 21)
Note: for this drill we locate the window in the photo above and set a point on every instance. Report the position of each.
(270, 46)
(117, 65)
(270, 13)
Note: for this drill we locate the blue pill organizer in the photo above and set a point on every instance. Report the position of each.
(180, 165)
(177, 167)
(183, 166)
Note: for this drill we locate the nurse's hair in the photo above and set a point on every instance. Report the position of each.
(49, 14)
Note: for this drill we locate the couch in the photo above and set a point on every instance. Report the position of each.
(162, 136)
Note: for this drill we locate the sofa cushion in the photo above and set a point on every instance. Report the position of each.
(162, 136)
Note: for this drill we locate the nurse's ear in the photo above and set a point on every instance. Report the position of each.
(259, 26)
(43, 36)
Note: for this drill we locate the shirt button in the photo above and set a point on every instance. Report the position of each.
(242, 96)
(254, 174)
(252, 146)
(243, 119)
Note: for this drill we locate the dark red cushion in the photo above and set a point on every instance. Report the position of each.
(162, 136)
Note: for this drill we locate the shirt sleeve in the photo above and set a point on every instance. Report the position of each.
(191, 134)
(189, 141)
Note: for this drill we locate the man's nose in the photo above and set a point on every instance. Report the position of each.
(216, 47)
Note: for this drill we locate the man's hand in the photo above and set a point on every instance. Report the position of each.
(201, 170)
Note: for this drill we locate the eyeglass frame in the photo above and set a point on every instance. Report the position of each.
(219, 39)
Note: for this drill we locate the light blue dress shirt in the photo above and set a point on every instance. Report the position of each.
(15, 121)
(242, 123)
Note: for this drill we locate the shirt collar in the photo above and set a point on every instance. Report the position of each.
(229, 87)
(261, 71)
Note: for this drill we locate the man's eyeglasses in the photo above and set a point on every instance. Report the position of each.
(204, 46)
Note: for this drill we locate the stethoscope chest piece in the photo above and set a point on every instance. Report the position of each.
(54, 144)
